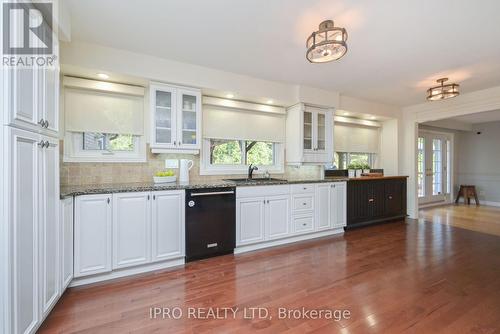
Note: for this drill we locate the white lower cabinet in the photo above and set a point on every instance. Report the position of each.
(338, 204)
(66, 242)
(167, 225)
(250, 218)
(273, 215)
(131, 229)
(128, 230)
(93, 226)
(278, 216)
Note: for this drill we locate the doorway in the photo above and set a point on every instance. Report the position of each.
(434, 166)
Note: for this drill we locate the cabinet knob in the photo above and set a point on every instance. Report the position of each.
(390, 197)
(304, 224)
(108, 200)
(154, 197)
(41, 122)
(46, 124)
(47, 144)
(175, 143)
(41, 144)
(148, 197)
(371, 200)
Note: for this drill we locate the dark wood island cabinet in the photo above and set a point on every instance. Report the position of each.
(375, 199)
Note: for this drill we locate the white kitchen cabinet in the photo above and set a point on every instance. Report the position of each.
(131, 229)
(338, 204)
(331, 205)
(93, 239)
(66, 242)
(278, 216)
(23, 212)
(49, 224)
(309, 133)
(176, 119)
(167, 225)
(323, 206)
(250, 220)
(32, 97)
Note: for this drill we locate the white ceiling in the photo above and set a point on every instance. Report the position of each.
(482, 117)
(396, 48)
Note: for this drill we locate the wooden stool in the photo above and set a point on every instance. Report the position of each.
(467, 192)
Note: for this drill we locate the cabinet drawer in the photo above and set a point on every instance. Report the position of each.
(262, 191)
(303, 224)
(302, 188)
(303, 202)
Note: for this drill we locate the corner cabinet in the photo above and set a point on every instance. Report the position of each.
(309, 133)
(175, 114)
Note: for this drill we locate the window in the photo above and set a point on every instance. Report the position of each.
(107, 142)
(234, 156)
(103, 147)
(344, 159)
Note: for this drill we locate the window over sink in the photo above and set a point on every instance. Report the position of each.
(223, 156)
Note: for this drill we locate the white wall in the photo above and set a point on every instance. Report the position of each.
(479, 161)
(389, 147)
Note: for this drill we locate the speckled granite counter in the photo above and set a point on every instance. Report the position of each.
(131, 187)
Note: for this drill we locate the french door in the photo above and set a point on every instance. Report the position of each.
(433, 167)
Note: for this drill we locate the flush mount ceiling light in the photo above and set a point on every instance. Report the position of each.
(442, 91)
(326, 44)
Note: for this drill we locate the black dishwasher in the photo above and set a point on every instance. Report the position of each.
(210, 222)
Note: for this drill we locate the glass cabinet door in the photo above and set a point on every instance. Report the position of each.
(164, 118)
(321, 132)
(308, 133)
(188, 124)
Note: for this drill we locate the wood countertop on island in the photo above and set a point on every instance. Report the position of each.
(369, 178)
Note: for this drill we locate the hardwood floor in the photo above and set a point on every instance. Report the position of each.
(414, 277)
(482, 218)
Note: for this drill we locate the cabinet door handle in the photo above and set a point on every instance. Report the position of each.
(148, 197)
(108, 200)
(41, 144)
(371, 200)
(42, 122)
(175, 143)
(267, 201)
(264, 201)
(154, 197)
(46, 124)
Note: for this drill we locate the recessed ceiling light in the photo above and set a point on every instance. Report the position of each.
(373, 117)
(346, 114)
(103, 75)
(270, 101)
(229, 96)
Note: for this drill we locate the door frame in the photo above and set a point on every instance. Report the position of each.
(451, 167)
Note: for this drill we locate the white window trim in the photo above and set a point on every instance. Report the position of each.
(73, 151)
(207, 169)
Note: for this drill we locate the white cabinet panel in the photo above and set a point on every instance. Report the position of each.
(303, 202)
(303, 224)
(278, 216)
(188, 118)
(131, 229)
(49, 223)
(323, 209)
(24, 213)
(250, 218)
(167, 225)
(338, 204)
(21, 92)
(92, 234)
(50, 99)
(66, 225)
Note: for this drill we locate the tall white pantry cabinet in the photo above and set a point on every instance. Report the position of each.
(31, 264)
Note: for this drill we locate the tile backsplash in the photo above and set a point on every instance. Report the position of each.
(86, 173)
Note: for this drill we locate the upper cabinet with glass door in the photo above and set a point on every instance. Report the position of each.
(309, 134)
(176, 119)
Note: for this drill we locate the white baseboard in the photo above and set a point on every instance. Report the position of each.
(272, 243)
(431, 204)
(488, 203)
(127, 272)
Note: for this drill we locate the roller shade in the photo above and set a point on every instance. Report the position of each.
(232, 123)
(360, 139)
(95, 111)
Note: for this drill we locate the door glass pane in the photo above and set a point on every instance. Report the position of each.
(307, 130)
(163, 117)
(448, 169)
(188, 119)
(437, 166)
(421, 166)
(321, 132)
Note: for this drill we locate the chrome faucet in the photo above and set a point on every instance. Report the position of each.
(251, 168)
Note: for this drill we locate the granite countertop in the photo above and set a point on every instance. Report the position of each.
(150, 186)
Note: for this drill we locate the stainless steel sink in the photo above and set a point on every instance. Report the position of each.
(256, 180)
